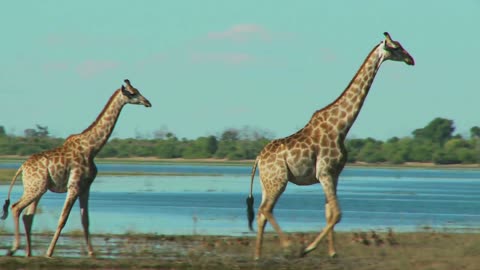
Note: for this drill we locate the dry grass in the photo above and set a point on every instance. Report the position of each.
(422, 250)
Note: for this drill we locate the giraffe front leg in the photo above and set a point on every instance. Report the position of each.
(334, 218)
(69, 201)
(331, 241)
(85, 220)
(332, 212)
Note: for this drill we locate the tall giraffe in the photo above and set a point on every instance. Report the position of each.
(69, 168)
(316, 153)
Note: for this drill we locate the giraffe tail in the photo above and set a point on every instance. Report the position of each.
(250, 200)
(7, 201)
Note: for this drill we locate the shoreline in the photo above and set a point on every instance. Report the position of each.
(226, 162)
(420, 250)
(6, 175)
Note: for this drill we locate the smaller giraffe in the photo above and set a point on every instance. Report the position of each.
(316, 153)
(69, 168)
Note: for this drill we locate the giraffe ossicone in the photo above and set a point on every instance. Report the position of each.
(316, 153)
(68, 168)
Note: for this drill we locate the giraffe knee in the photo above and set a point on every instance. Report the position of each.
(15, 211)
(332, 211)
(336, 217)
(333, 214)
(261, 217)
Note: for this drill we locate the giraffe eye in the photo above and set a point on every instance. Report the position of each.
(127, 93)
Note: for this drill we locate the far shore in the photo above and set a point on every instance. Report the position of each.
(7, 174)
(249, 162)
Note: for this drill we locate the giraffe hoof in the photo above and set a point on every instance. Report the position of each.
(333, 255)
(304, 252)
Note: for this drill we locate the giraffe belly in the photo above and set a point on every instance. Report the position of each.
(304, 180)
(57, 187)
(57, 180)
(303, 175)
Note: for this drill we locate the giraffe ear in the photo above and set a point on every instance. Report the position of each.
(126, 92)
(388, 40)
(387, 36)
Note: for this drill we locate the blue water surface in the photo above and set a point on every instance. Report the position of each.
(370, 198)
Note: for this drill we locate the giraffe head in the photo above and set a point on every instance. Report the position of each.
(394, 51)
(133, 96)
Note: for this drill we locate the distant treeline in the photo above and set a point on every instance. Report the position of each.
(435, 143)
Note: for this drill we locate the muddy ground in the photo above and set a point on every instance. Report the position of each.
(422, 250)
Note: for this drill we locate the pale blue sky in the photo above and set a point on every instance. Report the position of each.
(211, 65)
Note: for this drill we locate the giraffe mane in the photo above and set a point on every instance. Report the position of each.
(92, 125)
(351, 81)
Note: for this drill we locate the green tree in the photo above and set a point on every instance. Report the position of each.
(422, 150)
(354, 146)
(227, 145)
(230, 134)
(109, 150)
(38, 132)
(203, 147)
(371, 151)
(396, 150)
(460, 151)
(170, 147)
(439, 130)
(211, 145)
(475, 132)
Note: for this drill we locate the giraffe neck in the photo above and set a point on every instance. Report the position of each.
(97, 134)
(344, 110)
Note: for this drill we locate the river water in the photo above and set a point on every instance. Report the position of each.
(214, 203)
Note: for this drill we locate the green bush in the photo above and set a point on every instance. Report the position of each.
(433, 143)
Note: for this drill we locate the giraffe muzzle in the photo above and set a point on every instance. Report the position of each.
(146, 103)
(409, 61)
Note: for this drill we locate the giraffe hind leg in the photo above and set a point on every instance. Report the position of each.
(27, 222)
(265, 213)
(17, 208)
(261, 222)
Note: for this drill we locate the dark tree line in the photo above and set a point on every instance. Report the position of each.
(436, 142)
